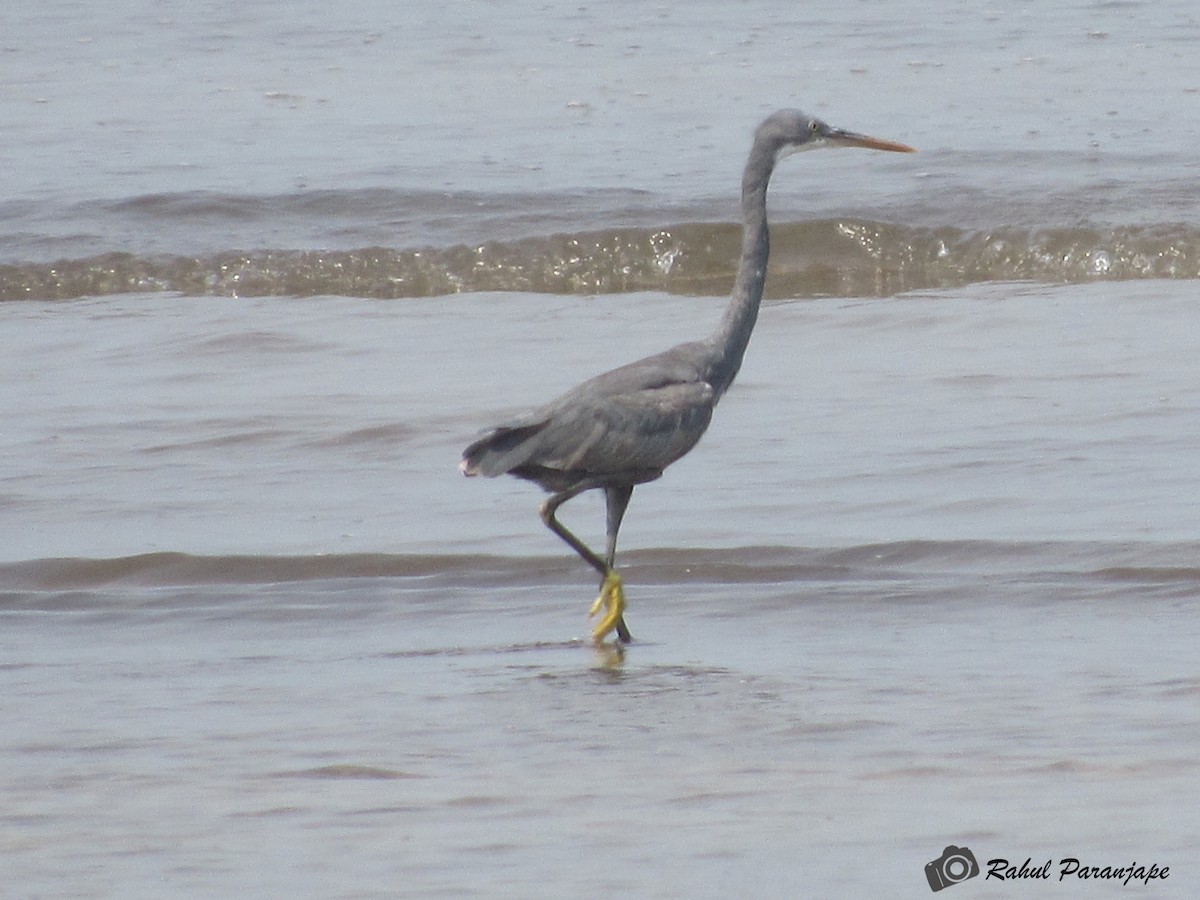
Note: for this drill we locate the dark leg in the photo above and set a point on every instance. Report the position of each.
(550, 507)
(612, 596)
(617, 499)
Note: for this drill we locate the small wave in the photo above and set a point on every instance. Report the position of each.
(830, 257)
(176, 569)
(81, 584)
(350, 771)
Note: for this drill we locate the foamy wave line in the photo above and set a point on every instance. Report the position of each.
(834, 257)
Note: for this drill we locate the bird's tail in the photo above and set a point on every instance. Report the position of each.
(499, 451)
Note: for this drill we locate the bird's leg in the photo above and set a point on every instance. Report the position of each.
(612, 595)
(550, 507)
(612, 592)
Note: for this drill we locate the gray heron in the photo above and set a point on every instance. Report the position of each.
(624, 427)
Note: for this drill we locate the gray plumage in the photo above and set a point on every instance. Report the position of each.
(624, 427)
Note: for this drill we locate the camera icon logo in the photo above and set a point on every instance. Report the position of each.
(954, 865)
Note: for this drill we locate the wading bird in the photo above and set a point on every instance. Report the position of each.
(624, 427)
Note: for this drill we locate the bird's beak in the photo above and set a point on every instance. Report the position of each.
(839, 138)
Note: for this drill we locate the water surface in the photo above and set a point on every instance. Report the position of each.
(930, 579)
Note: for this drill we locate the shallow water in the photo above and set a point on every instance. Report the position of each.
(945, 597)
(931, 578)
(822, 726)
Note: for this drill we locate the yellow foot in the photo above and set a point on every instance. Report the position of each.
(612, 602)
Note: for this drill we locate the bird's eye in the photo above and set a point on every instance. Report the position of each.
(814, 126)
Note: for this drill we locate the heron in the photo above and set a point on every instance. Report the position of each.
(624, 427)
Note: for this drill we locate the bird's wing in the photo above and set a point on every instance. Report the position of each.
(637, 418)
(642, 430)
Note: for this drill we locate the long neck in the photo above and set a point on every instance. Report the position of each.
(730, 340)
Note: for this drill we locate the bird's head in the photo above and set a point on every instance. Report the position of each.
(790, 131)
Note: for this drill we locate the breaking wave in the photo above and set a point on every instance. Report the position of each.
(827, 257)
